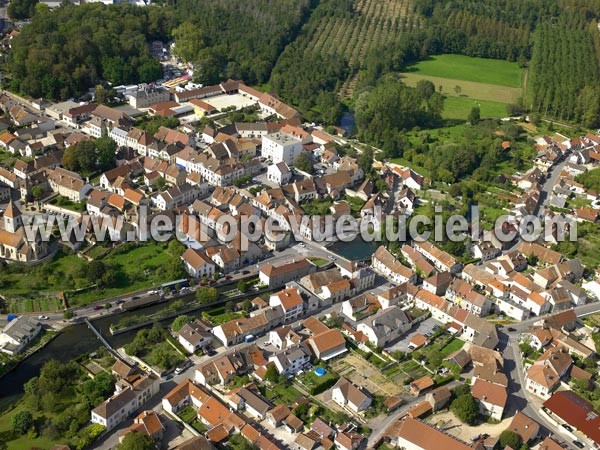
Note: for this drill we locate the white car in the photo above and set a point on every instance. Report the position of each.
(178, 370)
(42, 317)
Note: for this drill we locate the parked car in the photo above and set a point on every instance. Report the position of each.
(178, 370)
(578, 444)
(567, 427)
(245, 272)
(98, 307)
(511, 329)
(42, 317)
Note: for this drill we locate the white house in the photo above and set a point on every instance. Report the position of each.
(280, 147)
(290, 301)
(18, 333)
(197, 264)
(347, 395)
(194, 336)
(125, 402)
(279, 173)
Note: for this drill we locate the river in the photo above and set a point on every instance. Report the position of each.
(356, 250)
(73, 341)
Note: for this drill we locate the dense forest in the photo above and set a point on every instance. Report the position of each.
(64, 52)
(564, 78)
(239, 39)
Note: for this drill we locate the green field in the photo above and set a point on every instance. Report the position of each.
(467, 68)
(459, 108)
(466, 82)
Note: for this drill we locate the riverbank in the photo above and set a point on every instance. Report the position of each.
(186, 310)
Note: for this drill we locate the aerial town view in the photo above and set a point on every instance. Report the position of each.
(299, 224)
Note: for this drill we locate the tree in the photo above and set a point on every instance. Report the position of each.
(242, 286)
(509, 438)
(229, 306)
(271, 373)
(207, 294)
(70, 159)
(21, 9)
(68, 314)
(435, 358)
(101, 94)
(457, 89)
(95, 271)
(465, 408)
(246, 305)
(425, 88)
(180, 322)
(304, 163)
(106, 150)
(22, 422)
(37, 192)
(474, 115)
(134, 440)
(365, 160)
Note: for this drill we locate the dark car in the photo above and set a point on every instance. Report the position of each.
(245, 272)
(210, 351)
(567, 427)
(120, 302)
(511, 329)
(578, 444)
(98, 307)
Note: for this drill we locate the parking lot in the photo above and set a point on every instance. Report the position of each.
(226, 101)
(426, 328)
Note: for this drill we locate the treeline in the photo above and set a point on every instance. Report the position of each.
(564, 80)
(499, 29)
(64, 52)
(238, 38)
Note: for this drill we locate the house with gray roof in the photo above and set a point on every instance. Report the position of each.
(18, 333)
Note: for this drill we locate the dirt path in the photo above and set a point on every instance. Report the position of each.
(456, 428)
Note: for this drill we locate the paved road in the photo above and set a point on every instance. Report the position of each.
(519, 398)
(548, 186)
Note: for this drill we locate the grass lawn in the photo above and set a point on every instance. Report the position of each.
(319, 261)
(219, 316)
(460, 107)
(34, 305)
(452, 346)
(281, 394)
(413, 369)
(188, 414)
(467, 68)
(23, 442)
(139, 267)
(312, 381)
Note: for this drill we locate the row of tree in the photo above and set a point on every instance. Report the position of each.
(564, 75)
